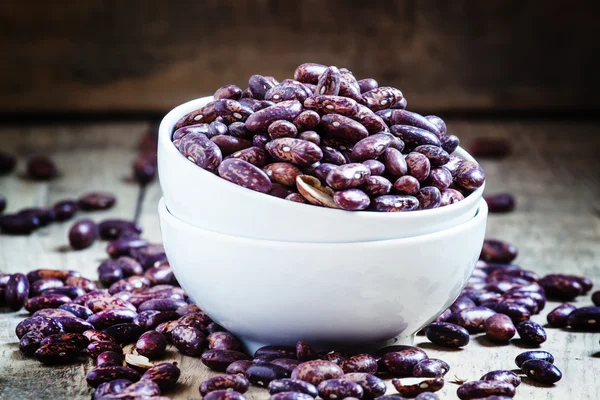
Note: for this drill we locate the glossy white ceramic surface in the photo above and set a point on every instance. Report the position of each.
(205, 200)
(326, 294)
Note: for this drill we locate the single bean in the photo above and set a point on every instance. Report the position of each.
(287, 90)
(439, 178)
(243, 173)
(531, 333)
(395, 203)
(110, 373)
(381, 97)
(306, 120)
(259, 85)
(348, 176)
(19, 224)
(296, 151)
(81, 282)
(376, 167)
(558, 317)
(95, 348)
(339, 389)
(111, 229)
(44, 215)
(499, 327)
(359, 363)
(41, 168)
(342, 128)
(238, 367)
(109, 358)
(285, 110)
(447, 334)
(403, 117)
(407, 184)
(430, 368)
(127, 332)
(103, 301)
(327, 104)
(367, 84)
(438, 122)
(371, 121)
(472, 319)
(428, 385)
(560, 286)
(372, 386)
(376, 186)
(77, 339)
(310, 136)
(229, 111)
(160, 275)
(97, 336)
(224, 394)
(30, 342)
(228, 92)
(533, 355)
(497, 251)
(83, 234)
(500, 203)
(402, 361)
(418, 166)
(585, 319)
(65, 210)
(161, 305)
(309, 72)
(286, 385)
(482, 389)
(469, 175)
(502, 376)
(333, 356)
(414, 137)
(282, 128)
(516, 312)
(542, 371)
(317, 371)
(46, 301)
(329, 82)
(57, 353)
(105, 318)
(204, 114)
(449, 143)
(165, 375)
(189, 340)
(17, 291)
(223, 341)
(219, 360)
(151, 344)
(237, 383)
(429, 197)
(283, 173)
(261, 374)
(349, 85)
(332, 156)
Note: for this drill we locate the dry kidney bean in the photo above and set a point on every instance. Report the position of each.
(204, 114)
(558, 317)
(439, 178)
(449, 143)
(447, 334)
(165, 375)
(237, 383)
(109, 358)
(17, 291)
(333, 356)
(381, 97)
(262, 373)
(111, 229)
(500, 203)
(259, 85)
(418, 166)
(332, 156)
(339, 389)
(429, 385)
(498, 251)
(502, 376)
(124, 333)
(533, 355)
(190, 129)
(287, 363)
(95, 348)
(152, 318)
(57, 353)
(282, 173)
(560, 286)
(287, 385)
(110, 373)
(430, 368)
(223, 341)
(37, 287)
(111, 388)
(376, 167)
(96, 201)
(407, 184)
(304, 352)
(371, 147)
(73, 324)
(238, 367)
(160, 275)
(395, 203)
(44, 325)
(585, 319)
(19, 224)
(359, 363)
(77, 339)
(516, 312)
(429, 197)
(44, 215)
(278, 351)
(317, 371)
(438, 122)
(30, 342)
(189, 340)
(46, 301)
(219, 360)
(342, 128)
(103, 301)
(161, 305)
(151, 344)
(349, 85)
(472, 319)
(414, 137)
(403, 117)
(329, 82)
(499, 327)
(367, 84)
(327, 104)
(395, 163)
(97, 336)
(310, 136)
(531, 333)
(469, 175)
(307, 120)
(245, 174)
(254, 155)
(490, 147)
(296, 151)
(348, 176)
(453, 164)
(461, 303)
(143, 389)
(41, 168)
(289, 89)
(372, 386)
(83, 234)
(482, 389)
(224, 394)
(541, 371)
(228, 111)
(372, 122)
(282, 128)
(105, 318)
(285, 110)
(228, 92)
(376, 186)
(401, 360)
(80, 282)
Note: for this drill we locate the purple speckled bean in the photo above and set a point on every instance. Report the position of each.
(201, 151)
(438, 122)
(403, 117)
(352, 200)
(311, 136)
(332, 156)
(228, 92)
(259, 85)
(342, 128)
(449, 143)
(230, 144)
(317, 371)
(558, 317)
(407, 184)
(309, 72)
(371, 147)
(296, 151)
(327, 104)
(244, 174)
(204, 114)
(195, 129)
(395, 203)
(367, 84)
(332, 389)
(450, 196)
(485, 389)
(376, 167)
(348, 176)
(371, 121)
(329, 82)
(436, 155)
(395, 163)
(414, 137)
(281, 128)
(376, 186)
(287, 90)
(418, 166)
(306, 120)
(469, 175)
(381, 97)
(440, 178)
(286, 110)
(254, 155)
(429, 197)
(402, 360)
(238, 130)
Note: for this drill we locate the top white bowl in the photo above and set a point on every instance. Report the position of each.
(207, 201)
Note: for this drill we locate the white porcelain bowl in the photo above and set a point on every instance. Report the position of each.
(205, 200)
(326, 294)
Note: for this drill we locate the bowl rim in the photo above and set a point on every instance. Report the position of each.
(482, 213)
(166, 144)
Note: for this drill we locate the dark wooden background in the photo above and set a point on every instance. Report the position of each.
(150, 55)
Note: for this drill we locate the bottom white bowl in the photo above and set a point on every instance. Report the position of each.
(330, 295)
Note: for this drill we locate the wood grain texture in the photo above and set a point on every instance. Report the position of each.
(146, 55)
(554, 172)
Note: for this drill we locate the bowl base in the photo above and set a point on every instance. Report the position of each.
(251, 346)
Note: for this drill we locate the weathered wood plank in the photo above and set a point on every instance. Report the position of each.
(141, 55)
(554, 171)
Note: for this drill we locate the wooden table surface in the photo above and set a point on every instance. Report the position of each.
(554, 171)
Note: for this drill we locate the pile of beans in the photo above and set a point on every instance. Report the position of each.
(328, 139)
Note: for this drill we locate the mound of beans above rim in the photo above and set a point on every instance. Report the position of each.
(330, 140)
